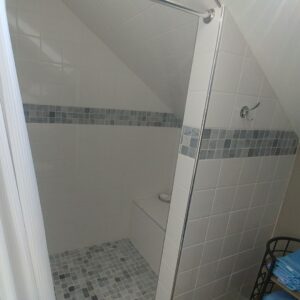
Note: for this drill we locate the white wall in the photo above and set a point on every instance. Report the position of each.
(155, 41)
(288, 221)
(235, 201)
(61, 62)
(87, 174)
(270, 27)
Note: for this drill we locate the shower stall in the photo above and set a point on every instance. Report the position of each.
(104, 87)
(161, 152)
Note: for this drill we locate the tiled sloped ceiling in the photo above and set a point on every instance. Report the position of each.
(154, 41)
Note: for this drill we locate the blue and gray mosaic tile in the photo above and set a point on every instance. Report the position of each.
(51, 114)
(106, 272)
(221, 143)
(189, 141)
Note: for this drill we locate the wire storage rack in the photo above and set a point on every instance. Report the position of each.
(266, 281)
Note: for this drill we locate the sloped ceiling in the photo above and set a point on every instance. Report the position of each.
(272, 29)
(154, 41)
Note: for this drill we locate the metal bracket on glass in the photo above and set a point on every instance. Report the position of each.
(245, 111)
(210, 17)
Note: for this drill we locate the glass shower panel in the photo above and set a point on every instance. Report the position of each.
(104, 86)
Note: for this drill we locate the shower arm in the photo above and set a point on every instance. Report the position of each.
(207, 16)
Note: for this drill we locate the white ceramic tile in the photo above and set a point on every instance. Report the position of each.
(28, 23)
(207, 174)
(230, 171)
(264, 235)
(243, 196)
(267, 168)
(237, 280)
(147, 237)
(190, 258)
(231, 245)
(225, 266)
(251, 79)
(248, 239)
(280, 120)
(267, 91)
(185, 296)
(284, 167)
(220, 110)
(223, 201)
(195, 232)
(219, 287)
(270, 214)
(250, 170)
(212, 251)
(264, 115)
(261, 192)
(232, 39)
(217, 226)
(236, 222)
(27, 47)
(201, 204)
(206, 274)
(185, 282)
(245, 260)
(278, 191)
(228, 63)
(203, 292)
(254, 216)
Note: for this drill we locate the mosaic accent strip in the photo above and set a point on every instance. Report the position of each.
(109, 271)
(220, 143)
(189, 141)
(51, 114)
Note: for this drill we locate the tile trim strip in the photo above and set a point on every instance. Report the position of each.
(221, 143)
(54, 114)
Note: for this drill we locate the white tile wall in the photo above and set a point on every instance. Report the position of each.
(84, 194)
(60, 61)
(240, 81)
(167, 44)
(240, 198)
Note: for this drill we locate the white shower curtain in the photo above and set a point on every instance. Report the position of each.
(24, 263)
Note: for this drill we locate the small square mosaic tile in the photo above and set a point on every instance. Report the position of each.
(220, 143)
(189, 141)
(51, 114)
(109, 271)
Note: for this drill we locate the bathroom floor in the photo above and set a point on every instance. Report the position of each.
(109, 271)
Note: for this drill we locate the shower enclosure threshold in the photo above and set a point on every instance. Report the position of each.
(108, 271)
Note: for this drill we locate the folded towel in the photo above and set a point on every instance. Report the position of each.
(287, 270)
(279, 295)
(291, 262)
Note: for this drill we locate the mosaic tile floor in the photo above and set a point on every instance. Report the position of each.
(105, 272)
